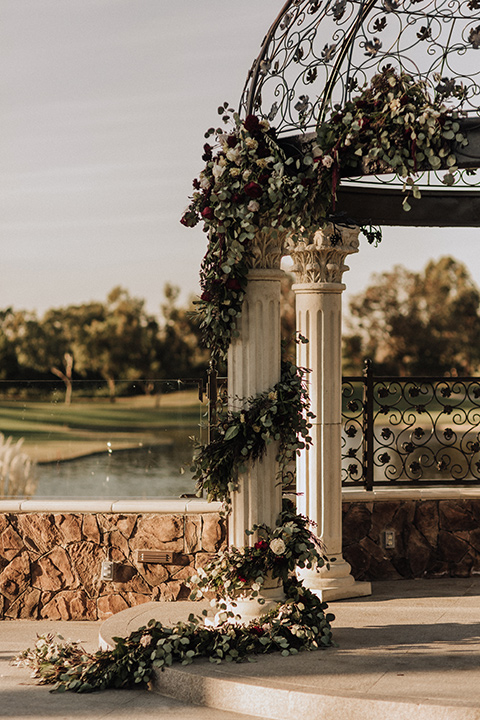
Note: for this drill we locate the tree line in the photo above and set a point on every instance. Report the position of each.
(416, 323)
(112, 340)
(408, 323)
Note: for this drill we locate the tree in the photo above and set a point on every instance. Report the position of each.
(183, 354)
(117, 339)
(417, 323)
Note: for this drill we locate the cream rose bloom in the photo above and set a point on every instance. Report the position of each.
(277, 546)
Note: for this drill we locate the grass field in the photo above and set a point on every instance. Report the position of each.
(55, 431)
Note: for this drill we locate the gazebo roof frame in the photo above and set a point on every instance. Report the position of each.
(334, 47)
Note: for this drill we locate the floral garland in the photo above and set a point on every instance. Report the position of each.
(276, 554)
(280, 414)
(249, 183)
(298, 624)
(393, 126)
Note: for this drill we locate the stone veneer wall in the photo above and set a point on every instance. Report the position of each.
(434, 538)
(50, 562)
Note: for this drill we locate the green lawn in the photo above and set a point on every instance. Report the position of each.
(57, 431)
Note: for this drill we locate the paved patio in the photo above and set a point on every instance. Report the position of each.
(412, 649)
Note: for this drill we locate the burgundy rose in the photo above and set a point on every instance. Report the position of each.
(207, 152)
(233, 284)
(235, 197)
(261, 545)
(232, 141)
(257, 629)
(252, 124)
(253, 190)
(264, 177)
(263, 151)
(206, 296)
(207, 213)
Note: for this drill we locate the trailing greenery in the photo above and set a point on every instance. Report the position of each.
(300, 623)
(237, 572)
(280, 414)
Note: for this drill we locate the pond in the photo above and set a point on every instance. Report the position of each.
(151, 470)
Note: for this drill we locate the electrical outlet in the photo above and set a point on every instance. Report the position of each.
(106, 571)
(389, 539)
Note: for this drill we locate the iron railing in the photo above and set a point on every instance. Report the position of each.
(410, 430)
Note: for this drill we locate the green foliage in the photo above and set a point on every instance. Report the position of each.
(276, 554)
(417, 323)
(300, 623)
(280, 414)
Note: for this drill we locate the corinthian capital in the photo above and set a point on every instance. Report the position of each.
(320, 258)
(267, 248)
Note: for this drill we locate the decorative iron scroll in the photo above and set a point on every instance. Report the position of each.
(421, 430)
(318, 53)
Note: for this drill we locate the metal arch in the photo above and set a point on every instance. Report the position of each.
(430, 39)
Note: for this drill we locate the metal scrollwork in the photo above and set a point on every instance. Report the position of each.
(318, 54)
(422, 431)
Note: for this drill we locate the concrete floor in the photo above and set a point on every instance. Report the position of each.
(411, 650)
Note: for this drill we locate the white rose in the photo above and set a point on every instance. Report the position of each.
(204, 181)
(246, 174)
(253, 206)
(234, 155)
(217, 171)
(234, 171)
(327, 160)
(251, 143)
(277, 546)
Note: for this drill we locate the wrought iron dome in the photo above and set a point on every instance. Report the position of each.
(320, 53)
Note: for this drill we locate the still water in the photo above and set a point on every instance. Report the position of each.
(144, 472)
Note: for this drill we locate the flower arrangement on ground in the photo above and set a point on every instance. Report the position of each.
(298, 623)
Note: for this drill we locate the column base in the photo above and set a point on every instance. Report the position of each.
(247, 609)
(334, 582)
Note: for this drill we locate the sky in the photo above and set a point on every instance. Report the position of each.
(104, 104)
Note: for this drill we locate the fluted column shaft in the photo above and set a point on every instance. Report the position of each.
(319, 266)
(253, 367)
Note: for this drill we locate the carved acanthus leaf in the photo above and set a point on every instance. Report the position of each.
(320, 258)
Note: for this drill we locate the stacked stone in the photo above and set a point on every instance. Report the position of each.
(50, 563)
(433, 538)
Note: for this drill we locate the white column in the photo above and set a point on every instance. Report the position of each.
(253, 367)
(319, 266)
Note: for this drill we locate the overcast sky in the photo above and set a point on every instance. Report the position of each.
(103, 108)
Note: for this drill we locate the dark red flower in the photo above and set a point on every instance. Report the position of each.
(252, 124)
(261, 545)
(253, 190)
(235, 198)
(232, 140)
(263, 151)
(257, 629)
(206, 296)
(207, 152)
(233, 284)
(196, 184)
(264, 177)
(207, 213)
